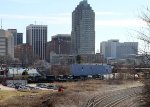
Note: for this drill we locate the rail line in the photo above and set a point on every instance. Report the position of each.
(112, 99)
(136, 102)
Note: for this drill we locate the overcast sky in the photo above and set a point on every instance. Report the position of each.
(115, 19)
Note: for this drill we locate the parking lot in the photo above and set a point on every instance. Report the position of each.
(28, 87)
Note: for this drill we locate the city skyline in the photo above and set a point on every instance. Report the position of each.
(114, 19)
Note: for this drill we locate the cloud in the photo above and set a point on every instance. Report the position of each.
(65, 14)
(121, 23)
(53, 19)
(65, 18)
(23, 1)
(107, 13)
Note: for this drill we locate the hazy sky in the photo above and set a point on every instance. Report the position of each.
(115, 19)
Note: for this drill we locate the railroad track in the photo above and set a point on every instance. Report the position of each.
(112, 99)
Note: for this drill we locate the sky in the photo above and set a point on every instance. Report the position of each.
(114, 19)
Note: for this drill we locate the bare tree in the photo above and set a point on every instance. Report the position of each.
(59, 70)
(78, 59)
(144, 37)
(5, 59)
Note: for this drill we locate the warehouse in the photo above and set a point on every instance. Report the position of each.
(90, 69)
(12, 72)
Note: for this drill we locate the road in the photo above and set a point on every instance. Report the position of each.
(120, 98)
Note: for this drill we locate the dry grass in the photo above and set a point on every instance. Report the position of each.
(81, 86)
(71, 96)
(4, 95)
(74, 95)
(18, 98)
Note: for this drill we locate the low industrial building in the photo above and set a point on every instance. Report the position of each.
(14, 76)
(17, 81)
(15, 72)
(90, 69)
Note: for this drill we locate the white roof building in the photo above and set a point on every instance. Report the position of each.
(19, 71)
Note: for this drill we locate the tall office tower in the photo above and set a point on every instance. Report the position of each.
(6, 43)
(14, 32)
(83, 29)
(36, 36)
(19, 38)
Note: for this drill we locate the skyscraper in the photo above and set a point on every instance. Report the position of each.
(14, 32)
(36, 36)
(6, 43)
(19, 38)
(83, 29)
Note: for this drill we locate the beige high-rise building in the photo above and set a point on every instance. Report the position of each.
(14, 33)
(115, 49)
(6, 43)
(36, 36)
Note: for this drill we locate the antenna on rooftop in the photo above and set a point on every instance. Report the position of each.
(1, 23)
